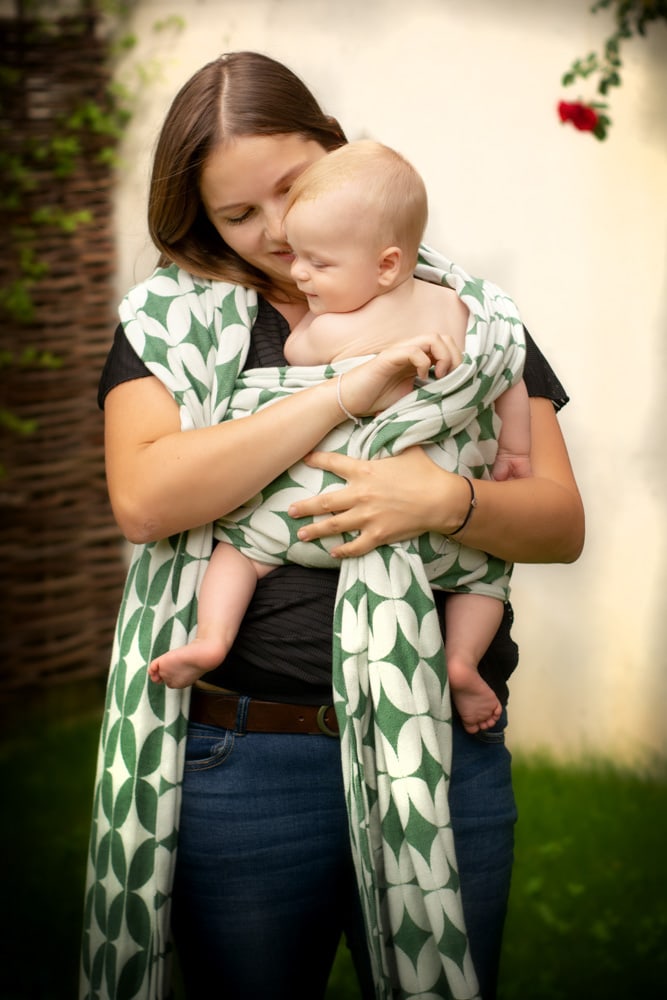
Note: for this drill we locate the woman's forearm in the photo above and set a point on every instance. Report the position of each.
(526, 520)
(537, 519)
(163, 481)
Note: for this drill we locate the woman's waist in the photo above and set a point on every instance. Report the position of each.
(273, 681)
(213, 706)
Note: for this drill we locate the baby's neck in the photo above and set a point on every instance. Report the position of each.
(404, 288)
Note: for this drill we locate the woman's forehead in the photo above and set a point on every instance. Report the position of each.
(247, 168)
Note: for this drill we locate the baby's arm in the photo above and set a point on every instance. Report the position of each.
(384, 321)
(316, 340)
(513, 458)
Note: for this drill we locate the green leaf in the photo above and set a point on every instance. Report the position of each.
(110, 965)
(98, 968)
(101, 906)
(111, 743)
(107, 794)
(138, 920)
(118, 859)
(134, 693)
(158, 584)
(146, 635)
(146, 800)
(150, 755)
(128, 744)
(157, 694)
(102, 865)
(116, 915)
(131, 977)
(123, 802)
(142, 864)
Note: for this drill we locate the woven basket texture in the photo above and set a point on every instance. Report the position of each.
(61, 553)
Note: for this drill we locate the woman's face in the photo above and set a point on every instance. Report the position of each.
(243, 186)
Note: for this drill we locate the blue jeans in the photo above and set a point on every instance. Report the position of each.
(264, 882)
(483, 814)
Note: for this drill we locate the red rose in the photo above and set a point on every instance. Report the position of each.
(582, 117)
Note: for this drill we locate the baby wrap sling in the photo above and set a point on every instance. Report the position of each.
(389, 672)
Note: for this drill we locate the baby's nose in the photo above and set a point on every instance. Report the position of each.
(299, 272)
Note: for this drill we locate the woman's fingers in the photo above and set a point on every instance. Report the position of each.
(381, 501)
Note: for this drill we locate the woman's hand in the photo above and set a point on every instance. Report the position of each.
(376, 384)
(385, 500)
(536, 519)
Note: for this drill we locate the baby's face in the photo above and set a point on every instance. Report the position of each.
(336, 262)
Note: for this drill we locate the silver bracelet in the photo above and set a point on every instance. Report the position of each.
(350, 416)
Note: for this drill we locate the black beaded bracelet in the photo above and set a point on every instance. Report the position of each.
(473, 504)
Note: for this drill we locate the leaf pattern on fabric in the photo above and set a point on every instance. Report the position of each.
(389, 673)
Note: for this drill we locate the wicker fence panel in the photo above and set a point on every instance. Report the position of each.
(61, 554)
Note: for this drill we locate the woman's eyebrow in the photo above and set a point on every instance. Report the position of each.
(293, 171)
(229, 208)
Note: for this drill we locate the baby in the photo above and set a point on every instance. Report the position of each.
(354, 221)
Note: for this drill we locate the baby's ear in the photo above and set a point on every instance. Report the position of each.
(389, 265)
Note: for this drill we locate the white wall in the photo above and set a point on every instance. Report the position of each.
(574, 229)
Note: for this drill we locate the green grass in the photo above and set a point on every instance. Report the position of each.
(588, 913)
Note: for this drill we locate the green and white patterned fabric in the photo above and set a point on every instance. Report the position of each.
(390, 681)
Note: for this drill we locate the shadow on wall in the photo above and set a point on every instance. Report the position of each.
(654, 454)
(652, 122)
(652, 113)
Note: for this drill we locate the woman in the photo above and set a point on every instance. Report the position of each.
(264, 881)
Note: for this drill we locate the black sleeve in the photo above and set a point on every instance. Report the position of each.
(122, 365)
(539, 376)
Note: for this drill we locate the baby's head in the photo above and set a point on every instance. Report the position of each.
(355, 219)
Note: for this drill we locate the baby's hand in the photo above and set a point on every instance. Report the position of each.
(510, 466)
(378, 383)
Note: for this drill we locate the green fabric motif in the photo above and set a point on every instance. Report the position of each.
(389, 672)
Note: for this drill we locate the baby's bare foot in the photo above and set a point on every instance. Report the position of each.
(179, 668)
(476, 703)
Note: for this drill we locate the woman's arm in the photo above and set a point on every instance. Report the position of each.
(162, 480)
(538, 519)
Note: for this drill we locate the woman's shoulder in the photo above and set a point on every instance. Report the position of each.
(539, 376)
(173, 280)
(174, 305)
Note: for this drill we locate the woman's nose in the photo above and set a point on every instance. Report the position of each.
(273, 225)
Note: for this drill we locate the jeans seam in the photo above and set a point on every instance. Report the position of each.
(223, 747)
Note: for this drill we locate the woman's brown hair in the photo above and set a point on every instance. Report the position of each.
(239, 94)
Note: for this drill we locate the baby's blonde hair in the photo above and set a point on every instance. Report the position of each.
(392, 188)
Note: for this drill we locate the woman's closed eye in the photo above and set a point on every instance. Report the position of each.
(236, 220)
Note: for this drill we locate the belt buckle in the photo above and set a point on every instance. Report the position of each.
(322, 722)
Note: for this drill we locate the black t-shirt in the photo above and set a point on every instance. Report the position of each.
(283, 648)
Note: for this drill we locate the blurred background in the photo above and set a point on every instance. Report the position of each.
(574, 228)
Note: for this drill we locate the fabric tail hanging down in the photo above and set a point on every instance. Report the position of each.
(390, 680)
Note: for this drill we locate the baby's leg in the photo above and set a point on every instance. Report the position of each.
(471, 621)
(226, 592)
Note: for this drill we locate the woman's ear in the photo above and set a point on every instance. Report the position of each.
(389, 265)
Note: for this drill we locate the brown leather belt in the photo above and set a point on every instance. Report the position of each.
(231, 711)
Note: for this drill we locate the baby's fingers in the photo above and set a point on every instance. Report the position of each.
(446, 355)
